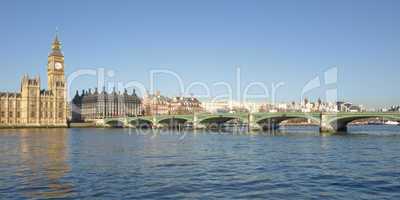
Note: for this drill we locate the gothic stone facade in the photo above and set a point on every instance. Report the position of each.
(34, 107)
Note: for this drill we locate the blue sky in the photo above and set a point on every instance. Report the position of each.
(271, 42)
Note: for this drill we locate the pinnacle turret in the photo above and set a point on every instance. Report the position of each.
(56, 47)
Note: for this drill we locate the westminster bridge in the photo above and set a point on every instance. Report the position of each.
(328, 122)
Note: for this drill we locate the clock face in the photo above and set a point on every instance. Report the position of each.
(58, 65)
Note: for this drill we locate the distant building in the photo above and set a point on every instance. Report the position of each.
(156, 104)
(184, 105)
(33, 106)
(162, 105)
(394, 109)
(90, 106)
(355, 108)
(349, 107)
(217, 106)
(343, 106)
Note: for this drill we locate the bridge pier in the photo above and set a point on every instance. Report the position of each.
(254, 127)
(332, 129)
(252, 124)
(326, 129)
(100, 122)
(126, 123)
(327, 126)
(195, 122)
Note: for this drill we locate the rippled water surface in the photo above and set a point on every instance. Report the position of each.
(124, 164)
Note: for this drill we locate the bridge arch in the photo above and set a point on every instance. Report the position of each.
(115, 123)
(217, 121)
(273, 121)
(341, 123)
(173, 122)
(141, 123)
(178, 118)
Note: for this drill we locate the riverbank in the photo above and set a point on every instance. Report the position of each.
(83, 125)
(30, 126)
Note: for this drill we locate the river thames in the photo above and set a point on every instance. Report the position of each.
(295, 163)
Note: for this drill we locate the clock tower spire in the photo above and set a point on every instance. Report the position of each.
(55, 66)
(56, 81)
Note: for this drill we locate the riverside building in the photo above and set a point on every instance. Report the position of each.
(36, 107)
(92, 105)
(158, 104)
(185, 105)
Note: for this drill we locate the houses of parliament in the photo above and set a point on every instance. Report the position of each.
(33, 106)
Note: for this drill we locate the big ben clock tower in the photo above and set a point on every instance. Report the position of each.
(56, 81)
(55, 66)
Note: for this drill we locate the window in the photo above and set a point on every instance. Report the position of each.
(32, 114)
(10, 114)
